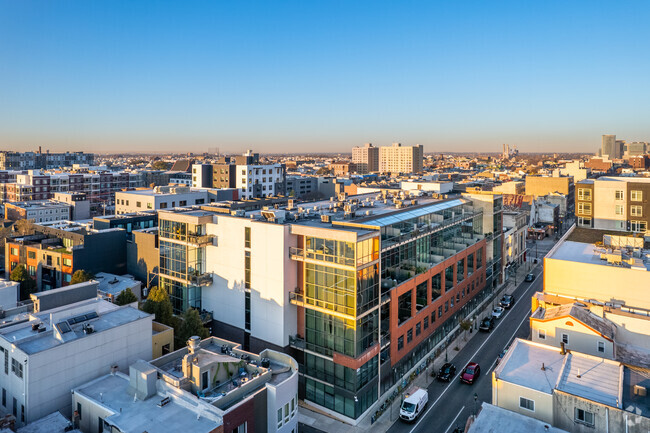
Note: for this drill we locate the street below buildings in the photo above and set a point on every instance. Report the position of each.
(450, 404)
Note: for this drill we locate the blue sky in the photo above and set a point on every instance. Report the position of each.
(322, 76)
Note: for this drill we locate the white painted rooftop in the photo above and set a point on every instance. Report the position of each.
(493, 419)
(587, 253)
(593, 378)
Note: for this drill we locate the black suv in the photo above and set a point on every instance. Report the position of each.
(486, 324)
(447, 372)
(507, 301)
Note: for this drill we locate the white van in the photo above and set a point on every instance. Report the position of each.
(413, 405)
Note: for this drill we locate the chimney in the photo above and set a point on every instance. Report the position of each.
(193, 344)
(562, 349)
(578, 375)
(543, 367)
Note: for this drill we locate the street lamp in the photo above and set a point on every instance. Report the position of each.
(475, 403)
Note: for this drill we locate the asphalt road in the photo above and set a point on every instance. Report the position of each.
(450, 404)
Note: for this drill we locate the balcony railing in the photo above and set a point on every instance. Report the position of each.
(204, 279)
(299, 299)
(296, 253)
(199, 239)
(297, 342)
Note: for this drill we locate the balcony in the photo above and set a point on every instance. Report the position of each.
(200, 240)
(297, 342)
(299, 299)
(297, 254)
(385, 340)
(204, 279)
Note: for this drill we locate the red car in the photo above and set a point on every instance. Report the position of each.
(471, 373)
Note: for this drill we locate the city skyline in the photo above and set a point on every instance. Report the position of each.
(314, 77)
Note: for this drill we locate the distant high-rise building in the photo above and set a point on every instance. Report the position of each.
(635, 149)
(401, 159)
(608, 146)
(366, 158)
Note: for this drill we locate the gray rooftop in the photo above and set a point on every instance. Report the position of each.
(493, 419)
(145, 415)
(522, 365)
(108, 316)
(592, 378)
(115, 284)
(588, 253)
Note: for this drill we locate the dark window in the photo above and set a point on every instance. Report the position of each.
(79, 409)
(404, 307)
(426, 322)
(460, 271)
(418, 329)
(409, 335)
(421, 295)
(447, 306)
(436, 286)
(433, 316)
(449, 278)
(400, 343)
(247, 237)
(440, 311)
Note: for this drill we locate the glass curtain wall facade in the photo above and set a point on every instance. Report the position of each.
(341, 299)
(182, 260)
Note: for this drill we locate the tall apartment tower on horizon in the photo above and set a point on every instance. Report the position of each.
(366, 158)
(401, 159)
(612, 147)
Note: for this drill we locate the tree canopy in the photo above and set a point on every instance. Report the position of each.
(126, 297)
(158, 304)
(191, 325)
(27, 283)
(80, 276)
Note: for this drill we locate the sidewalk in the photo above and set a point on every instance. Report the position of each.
(325, 422)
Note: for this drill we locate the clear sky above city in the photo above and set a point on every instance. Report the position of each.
(316, 76)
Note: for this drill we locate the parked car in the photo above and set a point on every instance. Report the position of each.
(486, 324)
(529, 278)
(501, 355)
(498, 312)
(471, 373)
(507, 301)
(413, 405)
(447, 372)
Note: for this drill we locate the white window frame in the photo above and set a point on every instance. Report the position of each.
(526, 407)
(541, 334)
(584, 421)
(618, 209)
(636, 195)
(600, 344)
(619, 194)
(638, 226)
(636, 211)
(562, 338)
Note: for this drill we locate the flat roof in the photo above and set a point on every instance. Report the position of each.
(493, 419)
(108, 315)
(522, 365)
(593, 378)
(145, 415)
(588, 253)
(114, 284)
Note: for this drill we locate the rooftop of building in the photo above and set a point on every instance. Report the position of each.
(627, 258)
(114, 284)
(181, 413)
(635, 179)
(36, 204)
(522, 365)
(544, 368)
(593, 378)
(57, 326)
(243, 373)
(52, 423)
(580, 313)
(493, 419)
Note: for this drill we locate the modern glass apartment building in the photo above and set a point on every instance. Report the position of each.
(376, 293)
(182, 271)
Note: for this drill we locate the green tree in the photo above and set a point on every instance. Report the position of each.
(161, 165)
(80, 276)
(27, 283)
(323, 171)
(126, 297)
(465, 325)
(191, 325)
(158, 304)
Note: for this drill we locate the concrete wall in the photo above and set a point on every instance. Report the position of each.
(600, 282)
(273, 276)
(604, 208)
(581, 338)
(606, 419)
(506, 395)
(162, 335)
(143, 258)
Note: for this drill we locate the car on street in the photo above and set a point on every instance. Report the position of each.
(414, 404)
(529, 278)
(501, 355)
(486, 324)
(498, 312)
(471, 373)
(507, 301)
(446, 372)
